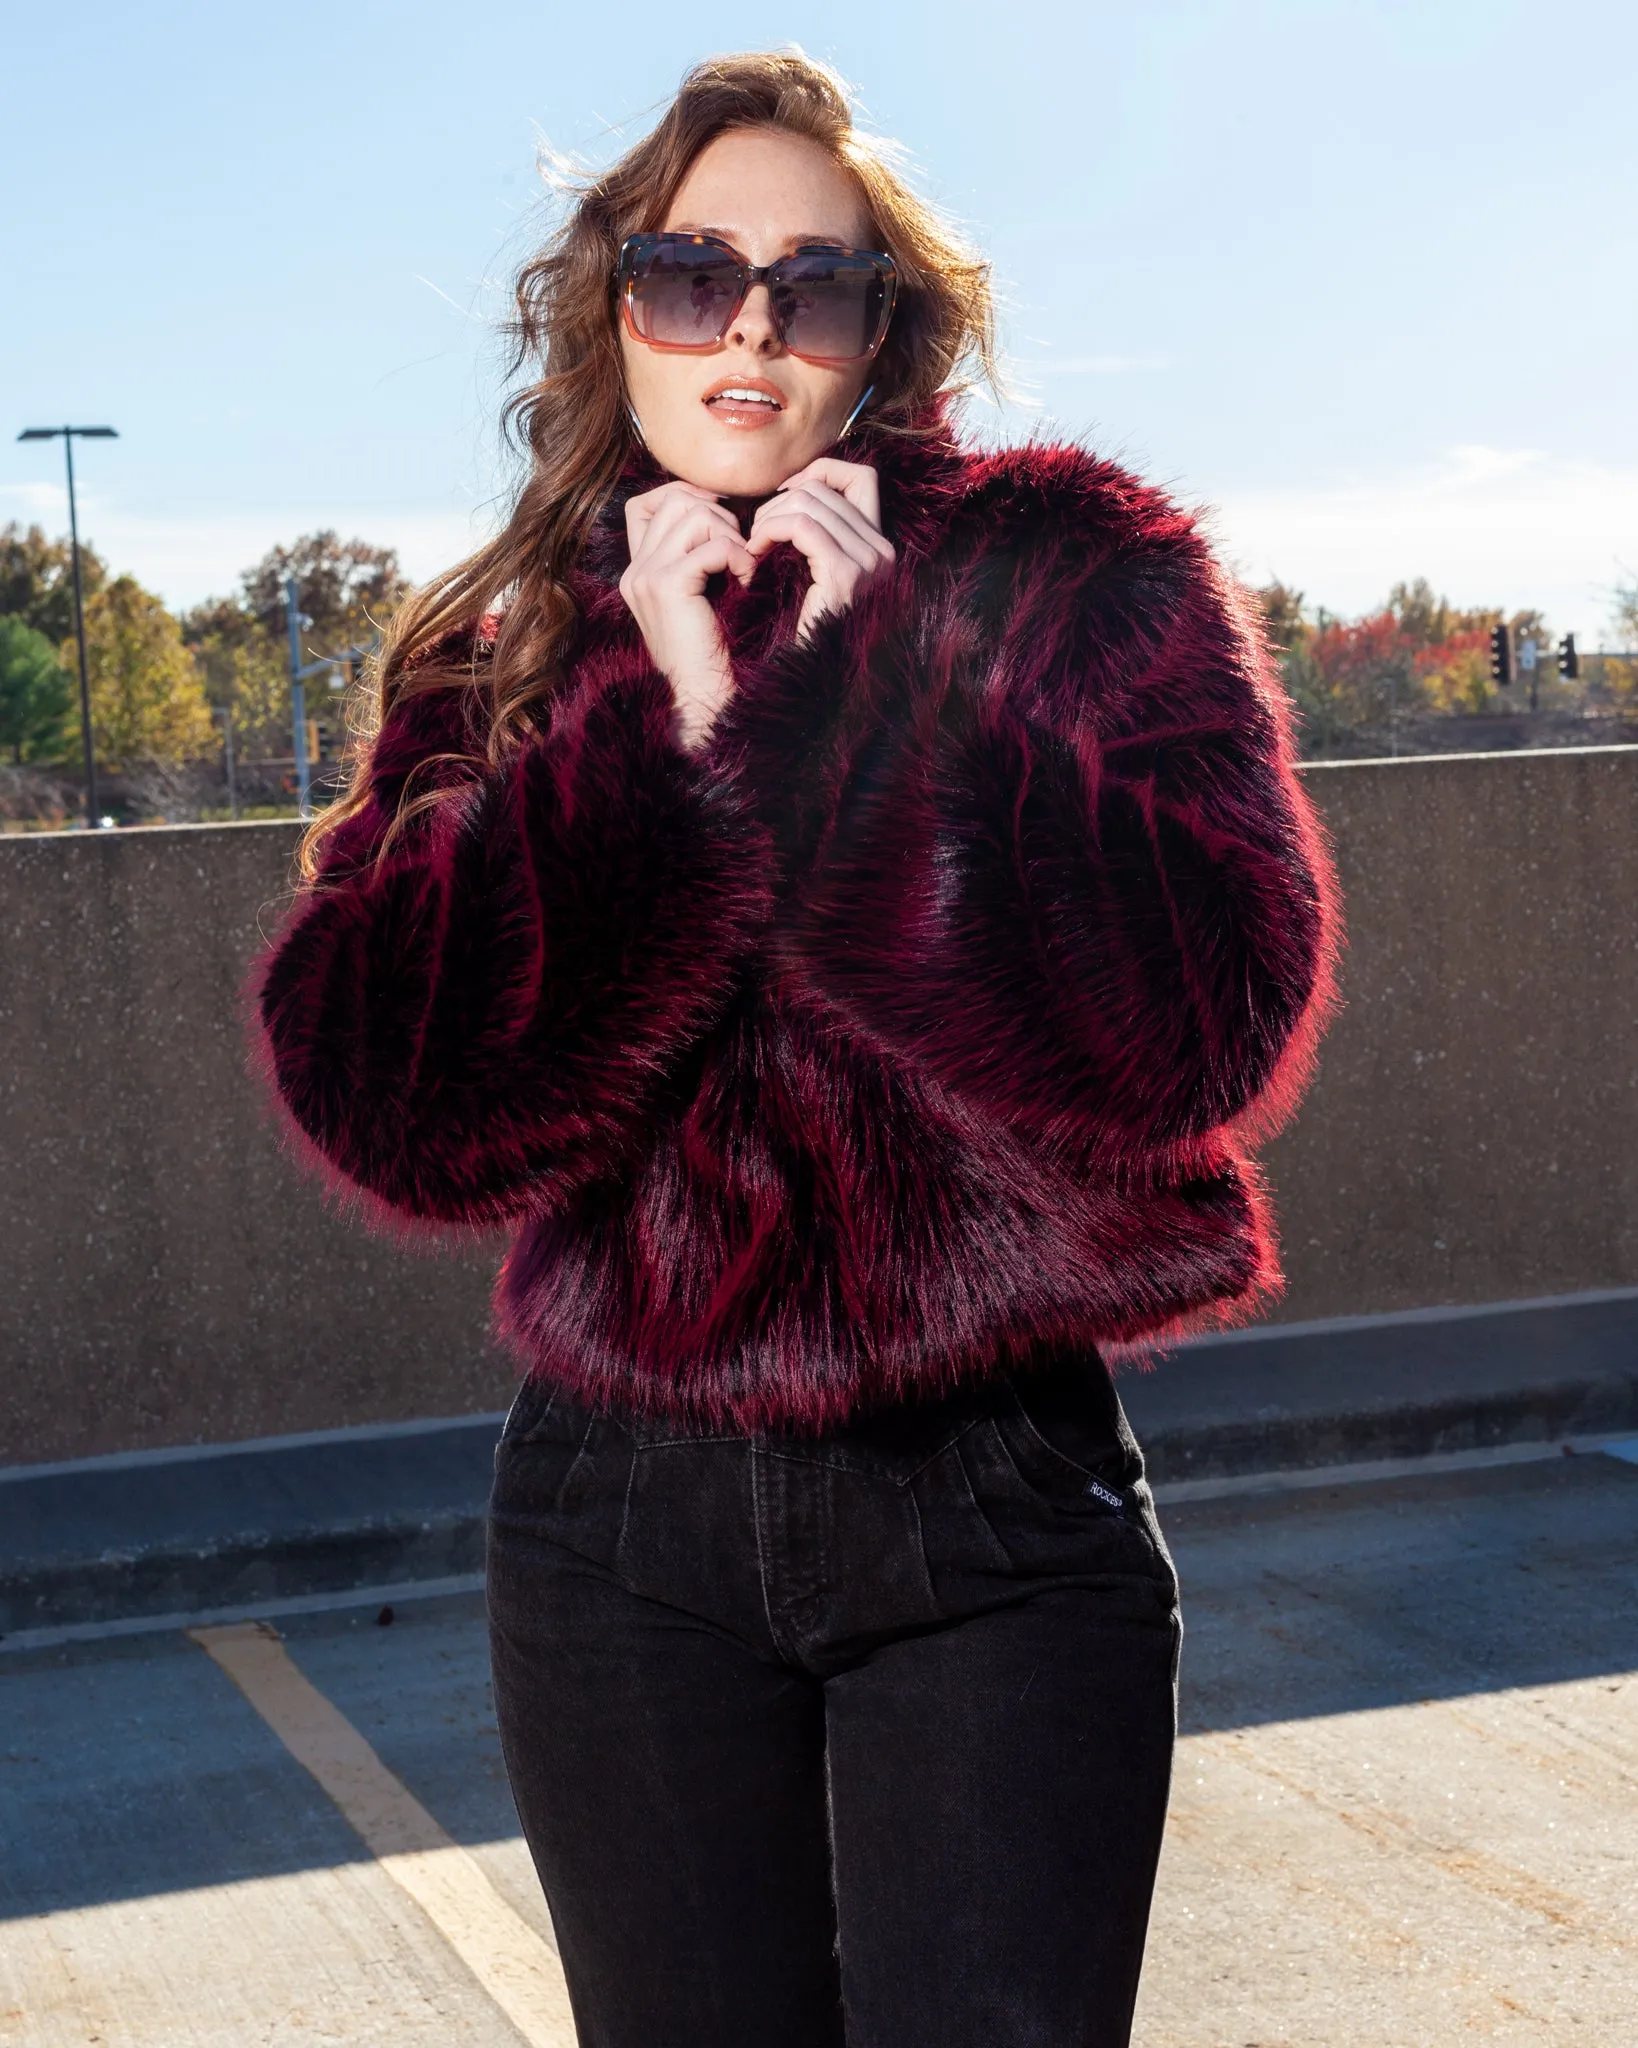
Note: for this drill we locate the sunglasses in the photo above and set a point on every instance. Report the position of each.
(684, 291)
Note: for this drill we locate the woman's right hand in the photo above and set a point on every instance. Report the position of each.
(680, 535)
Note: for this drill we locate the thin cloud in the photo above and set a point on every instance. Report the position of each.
(1485, 525)
(186, 560)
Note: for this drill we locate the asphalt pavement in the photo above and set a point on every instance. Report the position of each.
(1405, 1809)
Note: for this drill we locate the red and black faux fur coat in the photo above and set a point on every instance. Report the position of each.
(921, 1014)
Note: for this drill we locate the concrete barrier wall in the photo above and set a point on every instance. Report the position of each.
(166, 1276)
(1473, 1134)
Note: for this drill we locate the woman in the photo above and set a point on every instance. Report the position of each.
(844, 899)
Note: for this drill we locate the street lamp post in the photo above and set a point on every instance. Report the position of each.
(295, 619)
(85, 434)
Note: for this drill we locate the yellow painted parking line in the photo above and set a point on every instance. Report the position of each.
(505, 1954)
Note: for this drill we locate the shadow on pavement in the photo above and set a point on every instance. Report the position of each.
(133, 1766)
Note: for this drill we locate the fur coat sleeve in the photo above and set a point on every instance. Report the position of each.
(1094, 900)
(468, 1023)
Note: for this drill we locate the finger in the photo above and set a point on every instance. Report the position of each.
(675, 527)
(831, 566)
(716, 552)
(680, 541)
(824, 548)
(837, 512)
(676, 507)
(687, 573)
(855, 481)
(645, 507)
(809, 527)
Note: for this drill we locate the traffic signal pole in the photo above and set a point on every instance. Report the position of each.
(1529, 655)
(1530, 652)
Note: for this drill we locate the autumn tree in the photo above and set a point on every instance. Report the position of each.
(37, 579)
(1354, 679)
(347, 588)
(34, 692)
(1447, 650)
(147, 696)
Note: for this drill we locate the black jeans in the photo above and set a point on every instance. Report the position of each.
(858, 1738)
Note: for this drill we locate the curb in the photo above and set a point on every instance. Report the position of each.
(224, 1525)
(1421, 1383)
(1573, 1410)
(111, 1540)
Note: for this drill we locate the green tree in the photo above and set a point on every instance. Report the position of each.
(34, 692)
(245, 670)
(37, 579)
(348, 589)
(147, 697)
(1322, 716)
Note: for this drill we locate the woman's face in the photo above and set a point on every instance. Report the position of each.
(763, 192)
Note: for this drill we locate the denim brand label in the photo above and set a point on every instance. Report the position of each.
(1107, 1494)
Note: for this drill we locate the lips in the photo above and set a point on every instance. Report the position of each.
(744, 402)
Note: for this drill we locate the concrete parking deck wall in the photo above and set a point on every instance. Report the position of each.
(166, 1275)
(1473, 1134)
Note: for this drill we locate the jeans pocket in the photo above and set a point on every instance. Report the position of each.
(540, 1414)
(561, 1476)
(1071, 1453)
(1067, 1437)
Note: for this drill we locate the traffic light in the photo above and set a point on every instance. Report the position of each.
(1501, 656)
(1569, 662)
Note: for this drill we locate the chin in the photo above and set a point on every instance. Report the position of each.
(754, 468)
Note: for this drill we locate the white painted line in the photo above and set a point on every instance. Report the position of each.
(307, 1439)
(508, 1958)
(1387, 1320)
(1177, 1492)
(396, 1593)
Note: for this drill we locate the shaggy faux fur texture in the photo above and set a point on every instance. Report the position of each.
(919, 1019)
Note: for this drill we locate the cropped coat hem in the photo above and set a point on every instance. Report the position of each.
(922, 1017)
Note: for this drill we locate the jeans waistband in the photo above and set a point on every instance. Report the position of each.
(901, 1433)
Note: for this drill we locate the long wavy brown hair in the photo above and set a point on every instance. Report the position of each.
(570, 420)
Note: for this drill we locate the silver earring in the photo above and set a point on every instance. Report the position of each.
(865, 397)
(637, 425)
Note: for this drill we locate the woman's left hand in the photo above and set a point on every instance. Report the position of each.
(831, 513)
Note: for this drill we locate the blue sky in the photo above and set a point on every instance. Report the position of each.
(1363, 278)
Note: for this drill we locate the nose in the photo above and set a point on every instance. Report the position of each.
(754, 326)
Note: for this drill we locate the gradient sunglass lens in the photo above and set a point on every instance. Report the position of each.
(682, 293)
(829, 304)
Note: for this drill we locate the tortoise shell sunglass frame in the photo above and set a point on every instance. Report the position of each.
(684, 292)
